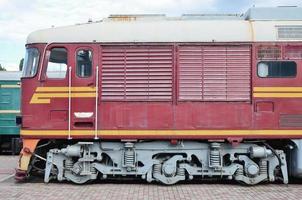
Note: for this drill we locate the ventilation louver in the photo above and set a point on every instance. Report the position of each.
(269, 52)
(289, 32)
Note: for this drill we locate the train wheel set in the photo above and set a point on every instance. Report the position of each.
(165, 162)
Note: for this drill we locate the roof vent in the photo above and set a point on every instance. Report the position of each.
(212, 16)
(134, 17)
(289, 32)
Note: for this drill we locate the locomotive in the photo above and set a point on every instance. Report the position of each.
(165, 99)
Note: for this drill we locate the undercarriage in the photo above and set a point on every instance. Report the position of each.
(167, 163)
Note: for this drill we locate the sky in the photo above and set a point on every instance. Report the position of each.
(18, 18)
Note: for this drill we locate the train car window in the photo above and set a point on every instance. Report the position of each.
(57, 63)
(31, 61)
(277, 69)
(84, 63)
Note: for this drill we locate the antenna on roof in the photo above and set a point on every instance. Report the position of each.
(287, 6)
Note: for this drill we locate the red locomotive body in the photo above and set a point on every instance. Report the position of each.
(225, 94)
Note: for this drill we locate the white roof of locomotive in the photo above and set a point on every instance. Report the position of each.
(258, 24)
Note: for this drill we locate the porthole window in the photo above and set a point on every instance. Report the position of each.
(277, 69)
(84, 63)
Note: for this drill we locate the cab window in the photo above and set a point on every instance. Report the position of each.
(277, 69)
(84, 63)
(57, 63)
(31, 60)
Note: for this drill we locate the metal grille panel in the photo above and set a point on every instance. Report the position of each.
(214, 73)
(269, 52)
(293, 52)
(290, 120)
(137, 73)
(289, 32)
(190, 73)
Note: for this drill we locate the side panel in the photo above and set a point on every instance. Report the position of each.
(136, 86)
(277, 100)
(212, 115)
(32, 114)
(9, 107)
(46, 94)
(179, 91)
(211, 85)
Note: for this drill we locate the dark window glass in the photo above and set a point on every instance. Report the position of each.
(57, 63)
(84, 63)
(277, 69)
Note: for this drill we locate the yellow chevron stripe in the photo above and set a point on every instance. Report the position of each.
(65, 89)
(47, 93)
(162, 132)
(277, 89)
(44, 98)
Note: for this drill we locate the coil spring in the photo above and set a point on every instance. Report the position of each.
(215, 160)
(239, 172)
(181, 172)
(157, 168)
(92, 170)
(263, 167)
(68, 164)
(129, 158)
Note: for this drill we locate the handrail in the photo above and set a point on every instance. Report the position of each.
(69, 103)
(96, 102)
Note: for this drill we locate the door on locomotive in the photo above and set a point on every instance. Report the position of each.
(84, 87)
(70, 81)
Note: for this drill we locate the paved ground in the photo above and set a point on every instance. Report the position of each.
(136, 190)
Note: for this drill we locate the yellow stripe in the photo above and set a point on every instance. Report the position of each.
(10, 86)
(41, 98)
(162, 132)
(277, 89)
(278, 95)
(65, 89)
(9, 111)
(265, 92)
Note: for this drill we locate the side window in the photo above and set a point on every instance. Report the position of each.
(31, 61)
(57, 63)
(84, 63)
(277, 69)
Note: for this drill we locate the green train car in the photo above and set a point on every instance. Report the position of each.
(9, 109)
